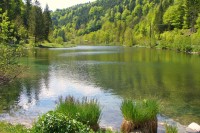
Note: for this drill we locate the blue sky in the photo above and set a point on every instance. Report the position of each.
(60, 4)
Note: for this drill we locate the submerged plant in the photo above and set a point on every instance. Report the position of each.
(85, 110)
(139, 114)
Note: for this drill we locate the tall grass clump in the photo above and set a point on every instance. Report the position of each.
(84, 110)
(139, 115)
(170, 129)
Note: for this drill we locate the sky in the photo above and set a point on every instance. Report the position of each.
(60, 4)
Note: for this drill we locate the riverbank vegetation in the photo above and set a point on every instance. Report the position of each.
(139, 115)
(74, 115)
(166, 24)
(86, 111)
(9, 66)
(8, 128)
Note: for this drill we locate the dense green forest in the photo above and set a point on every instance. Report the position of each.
(167, 24)
(23, 22)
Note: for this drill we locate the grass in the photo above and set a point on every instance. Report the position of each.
(85, 110)
(139, 112)
(139, 115)
(170, 129)
(8, 128)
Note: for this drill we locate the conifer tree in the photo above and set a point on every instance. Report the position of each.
(47, 22)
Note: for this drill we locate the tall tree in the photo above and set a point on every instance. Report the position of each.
(27, 13)
(36, 22)
(47, 22)
(192, 8)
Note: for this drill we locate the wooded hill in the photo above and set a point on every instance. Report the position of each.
(172, 24)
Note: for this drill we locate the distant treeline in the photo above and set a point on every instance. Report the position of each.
(172, 24)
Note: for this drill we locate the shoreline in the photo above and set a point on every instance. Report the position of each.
(162, 120)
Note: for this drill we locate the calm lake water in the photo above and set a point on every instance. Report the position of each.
(109, 74)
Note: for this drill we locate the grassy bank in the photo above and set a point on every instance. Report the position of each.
(8, 128)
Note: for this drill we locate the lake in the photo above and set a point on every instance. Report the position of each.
(109, 74)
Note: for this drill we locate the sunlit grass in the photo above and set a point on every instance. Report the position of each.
(170, 129)
(139, 115)
(138, 112)
(84, 110)
(8, 128)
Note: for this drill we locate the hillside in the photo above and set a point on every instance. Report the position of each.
(169, 24)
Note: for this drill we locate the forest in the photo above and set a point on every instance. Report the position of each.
(166, 24)
(24, 22)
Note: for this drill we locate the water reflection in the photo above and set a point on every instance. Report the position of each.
(108, 74)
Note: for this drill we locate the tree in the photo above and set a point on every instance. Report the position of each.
(27, 13)
(36, 22)
(128, 37)
(47, 22)
(174, 16)
(6, 29)
(192, 8)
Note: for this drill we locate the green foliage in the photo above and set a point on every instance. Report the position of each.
(182, 43)
(6, 28)
(59, 40)
(126, 22)
(20, 20)
(139, 111)
(86, 111)
(170, 129)
(54, 122)
(9, 67)
(8, 128)
(174, 16)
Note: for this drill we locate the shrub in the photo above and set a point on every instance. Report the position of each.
(54, 122)
(59, 40)
(139, 115)
(86, 111)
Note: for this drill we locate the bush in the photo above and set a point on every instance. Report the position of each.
(86, 111)
(54, 122)
(139, 115)
(59, 40)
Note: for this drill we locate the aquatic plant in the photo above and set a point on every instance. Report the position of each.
(85, 110)
(139, 115)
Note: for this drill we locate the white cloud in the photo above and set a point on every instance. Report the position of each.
(60, 4)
